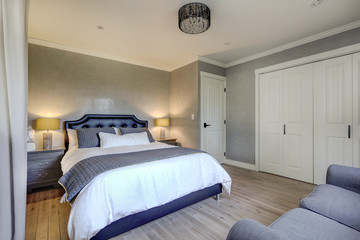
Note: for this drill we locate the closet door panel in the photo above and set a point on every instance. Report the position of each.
(271, 123)
(332, 115)
(298, 119)
(356, 110)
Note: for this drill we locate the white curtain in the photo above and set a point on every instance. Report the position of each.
(13, 118)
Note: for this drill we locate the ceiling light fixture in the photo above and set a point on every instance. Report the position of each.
(194, 18)
(317, 3)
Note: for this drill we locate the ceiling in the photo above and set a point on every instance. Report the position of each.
(146, 32)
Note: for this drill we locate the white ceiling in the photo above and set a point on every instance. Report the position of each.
(146, 32)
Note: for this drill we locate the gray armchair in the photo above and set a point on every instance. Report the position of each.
(344, 177)
(331, 212)
(250, 229)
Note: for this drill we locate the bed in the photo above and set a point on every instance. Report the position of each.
(121, 199)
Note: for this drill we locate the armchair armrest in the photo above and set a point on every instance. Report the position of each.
(248, 229)
(344, 177)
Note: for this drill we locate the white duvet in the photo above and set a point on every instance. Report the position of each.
(124, 191)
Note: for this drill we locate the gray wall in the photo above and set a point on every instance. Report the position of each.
(183, 103)
(185, 100)
(240, 102)
(209, 68)
(68, 85)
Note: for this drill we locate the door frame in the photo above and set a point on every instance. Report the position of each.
(356, 120)
(293, 63)
(201, 132)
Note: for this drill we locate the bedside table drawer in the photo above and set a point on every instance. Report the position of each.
(43, 174)
(46, 163)
(43, 156)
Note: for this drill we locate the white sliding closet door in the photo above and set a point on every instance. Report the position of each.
(356, 110)
(286, 123)
(298, 120)
(271, 123)
(332, 115)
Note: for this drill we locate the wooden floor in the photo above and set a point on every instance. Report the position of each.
(260, 196)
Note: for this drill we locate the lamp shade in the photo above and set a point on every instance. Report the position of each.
(162, 122)
(47, 124)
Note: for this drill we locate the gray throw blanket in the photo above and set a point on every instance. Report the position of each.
(84, 171)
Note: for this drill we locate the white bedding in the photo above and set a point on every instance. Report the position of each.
(124, 191)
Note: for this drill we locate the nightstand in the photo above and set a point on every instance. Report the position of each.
(171, 141)
(44, 168)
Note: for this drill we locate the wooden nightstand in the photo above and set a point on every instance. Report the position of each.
(171, 141)
(44, 168)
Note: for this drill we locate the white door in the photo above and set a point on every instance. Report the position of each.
(286, 123)
(213, 115)
(332, 115)
(271, 123)
(298, 120)
(356, 110)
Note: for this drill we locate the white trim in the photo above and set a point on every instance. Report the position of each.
(240, 164)
(302, 41)
(210, 75)
(301, 61)
(356, 119)
(224, 126)
(257, 123)
(310, 59)
(91, 53)
(211, 61)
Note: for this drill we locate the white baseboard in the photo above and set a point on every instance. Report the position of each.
(240, 164)
(221, 161)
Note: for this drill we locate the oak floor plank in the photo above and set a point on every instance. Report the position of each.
(54, 224)
(64, 211)
(139, 234)
(172, 225)
(43, 221)
(154, 226)
(32, 215)
(261, 196)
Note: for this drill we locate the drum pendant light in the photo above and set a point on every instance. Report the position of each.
(194, 18)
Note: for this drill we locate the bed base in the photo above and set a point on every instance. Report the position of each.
(130, 222)
(133, 221)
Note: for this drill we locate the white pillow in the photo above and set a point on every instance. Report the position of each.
(73, 140)
(111, 140)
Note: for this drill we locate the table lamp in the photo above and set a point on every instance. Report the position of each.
(162, 122)
(47, 124)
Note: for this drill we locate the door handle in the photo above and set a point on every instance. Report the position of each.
(284, 129)
(206, 125)
(349, 130)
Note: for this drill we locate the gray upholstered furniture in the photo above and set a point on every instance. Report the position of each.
(331, 211)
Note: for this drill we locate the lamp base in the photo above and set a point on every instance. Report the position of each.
(30, 146)
(47, 141)
(162, 133)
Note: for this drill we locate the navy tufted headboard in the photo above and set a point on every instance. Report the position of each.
(104, 120)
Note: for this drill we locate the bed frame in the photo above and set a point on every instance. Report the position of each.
(104, 120)
(130, 222)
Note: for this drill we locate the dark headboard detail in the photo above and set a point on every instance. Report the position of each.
(104, 120)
